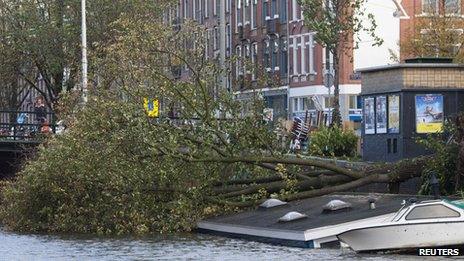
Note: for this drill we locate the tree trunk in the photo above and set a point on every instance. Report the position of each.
(392, 173)
(313, 183)
(336, 115)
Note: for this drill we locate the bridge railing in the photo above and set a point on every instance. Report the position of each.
(25, 125)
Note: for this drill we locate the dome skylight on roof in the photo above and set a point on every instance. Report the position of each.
(270, 203)
(336, 205)
(291, 216)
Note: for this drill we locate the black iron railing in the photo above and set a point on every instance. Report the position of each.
(25, 125)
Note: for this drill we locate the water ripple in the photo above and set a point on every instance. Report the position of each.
(178, 247)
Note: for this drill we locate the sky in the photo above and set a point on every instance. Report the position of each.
(388, 29)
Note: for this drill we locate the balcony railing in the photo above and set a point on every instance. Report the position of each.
(25, 125)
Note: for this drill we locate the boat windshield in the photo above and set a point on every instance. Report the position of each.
(457, 203)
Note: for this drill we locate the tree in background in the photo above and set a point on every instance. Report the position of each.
(338, 24)
(41, 39)
(437, 34)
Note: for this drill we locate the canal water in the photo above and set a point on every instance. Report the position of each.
(15, 246)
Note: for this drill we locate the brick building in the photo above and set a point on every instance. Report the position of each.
(260, 35)
(415, 12)
(307, 70)
(271, 35)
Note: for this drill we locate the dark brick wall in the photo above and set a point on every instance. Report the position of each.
(375, 145)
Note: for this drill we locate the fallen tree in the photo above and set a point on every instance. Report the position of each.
(116, 170)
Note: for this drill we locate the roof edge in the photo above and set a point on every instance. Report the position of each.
(409, 65)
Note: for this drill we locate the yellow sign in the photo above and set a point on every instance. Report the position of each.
(151, 107)
(429, 127)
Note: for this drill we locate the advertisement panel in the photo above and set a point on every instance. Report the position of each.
(394, 114)
(369, 115)
(381, 114)
(429, 113)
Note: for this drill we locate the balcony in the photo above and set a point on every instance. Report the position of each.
(271, 26)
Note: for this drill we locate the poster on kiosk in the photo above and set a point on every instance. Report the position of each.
(429, 113)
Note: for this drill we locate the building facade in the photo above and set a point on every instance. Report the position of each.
(272, 37)
(260, 36)
(415, 12)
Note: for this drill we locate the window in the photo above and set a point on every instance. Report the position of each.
(207, 42)
(295, 56)
(304, 54)
(298, 57)
(215, 8)
(429, 6)
(266, 52)
(452, 6)
(206, 5)
(301, 103)
(432, 211)
(307, 57)
(294, 5)
(239, 14)
(275, 51)
(353, 102)
(311, 54)
(254, 13)
(195, 9)
(452, 35)
(185, 11)
(265, 11)
(283, 11)
(247, 11)
(216, 38)
(295, 104)
(309, 104)
(274, 13)
(290, 53)
(327, 102)
(283, 56)
(238, 66)
(247, 54)
(254, 59)
(228, 39)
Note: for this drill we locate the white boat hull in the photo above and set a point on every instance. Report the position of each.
(404, 236)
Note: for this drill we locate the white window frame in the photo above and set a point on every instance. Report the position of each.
(206, 8)
(437, 8)
(246, 10)
(239, 14)
(185, 9)
(214, 7)
(227, 6)
(454, 13)
(294, 4)
(254, 54)
(254, 5)
(303, 54)
(295, 56)
(194, 10)
(238, 52)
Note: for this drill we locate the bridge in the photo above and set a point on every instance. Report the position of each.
(21, 132)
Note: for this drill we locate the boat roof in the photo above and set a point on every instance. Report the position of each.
(313, 208)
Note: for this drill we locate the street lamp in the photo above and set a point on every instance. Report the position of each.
(84, 53)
